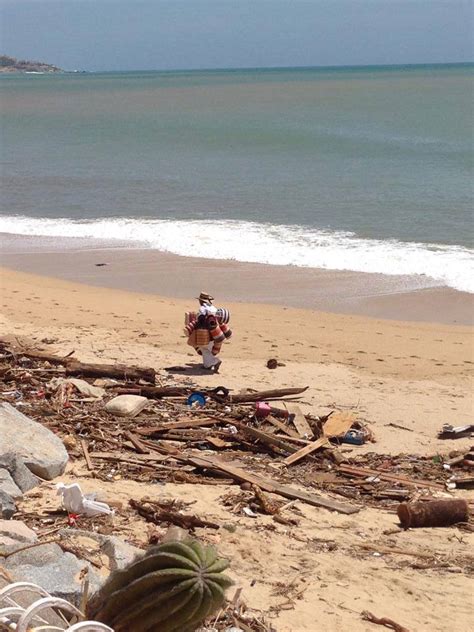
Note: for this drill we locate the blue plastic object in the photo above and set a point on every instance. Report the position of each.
(196, 398)
(354, 436)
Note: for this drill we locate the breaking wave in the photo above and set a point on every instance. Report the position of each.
(265, 243)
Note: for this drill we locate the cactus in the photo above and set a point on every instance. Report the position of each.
(172, 588)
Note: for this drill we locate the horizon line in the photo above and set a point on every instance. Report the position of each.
(309, 67)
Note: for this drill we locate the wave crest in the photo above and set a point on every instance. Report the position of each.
(266, 243)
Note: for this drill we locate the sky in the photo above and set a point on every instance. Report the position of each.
(97, 35)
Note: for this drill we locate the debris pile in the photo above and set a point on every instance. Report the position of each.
(142, 425)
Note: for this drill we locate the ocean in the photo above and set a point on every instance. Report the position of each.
(360, 168)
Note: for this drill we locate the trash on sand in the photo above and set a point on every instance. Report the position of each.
(75, 502)
(196, 399)
(126, 405)
(436, 513)
(455, 432)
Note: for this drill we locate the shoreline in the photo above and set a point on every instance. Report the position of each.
(400, 298)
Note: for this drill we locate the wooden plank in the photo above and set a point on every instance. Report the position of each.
(139, 447)
(269, 485)
(281, 426)
(385, 476)
(306, 450)
(266, 484)
(86, 454)
(299, 421)
(176, 425)
(265, 438)
(114, 456)
(337, 424)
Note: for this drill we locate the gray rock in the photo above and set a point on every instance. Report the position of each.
(15, 533)
(7, 506)
(57, 572)
(23, 477)
(7, 484)
(42, 451)
(119, 553)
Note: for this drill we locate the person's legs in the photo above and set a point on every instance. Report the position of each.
(208, 359)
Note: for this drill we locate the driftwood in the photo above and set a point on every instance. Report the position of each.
(75, 367)
(388, 623)
(259, 396)
(158, 515)
(115, 371)
(153, 392)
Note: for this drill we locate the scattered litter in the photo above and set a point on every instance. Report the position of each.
(77, 503)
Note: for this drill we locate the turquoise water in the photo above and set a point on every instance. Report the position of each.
(358, 168)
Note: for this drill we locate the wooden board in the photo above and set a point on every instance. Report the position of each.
(269, 485)
(299, 421)
(288, 430)
(311, 447)
(337, 425)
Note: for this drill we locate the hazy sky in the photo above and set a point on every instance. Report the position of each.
(167, 34)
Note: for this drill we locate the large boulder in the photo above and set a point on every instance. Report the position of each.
(41, 450)
(58, 572)
(7, 484)
(23, 477)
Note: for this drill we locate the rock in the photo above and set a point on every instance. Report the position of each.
(41, 450)
(7, 484)
(50, 567)
(272, 363)
(23, 477)
(118, 552)
(7, 506)
(15, 533)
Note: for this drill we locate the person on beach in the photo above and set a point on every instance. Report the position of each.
(207, 329)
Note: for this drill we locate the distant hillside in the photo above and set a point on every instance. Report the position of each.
(10, 64)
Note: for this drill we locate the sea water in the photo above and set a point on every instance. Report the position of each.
(365, 168)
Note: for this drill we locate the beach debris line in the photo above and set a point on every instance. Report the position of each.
(239, 439)
(74, 367)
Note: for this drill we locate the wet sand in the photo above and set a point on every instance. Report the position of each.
(153, 272)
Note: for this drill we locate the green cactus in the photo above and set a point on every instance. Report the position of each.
(172, 588)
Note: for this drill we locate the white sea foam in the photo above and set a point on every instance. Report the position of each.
(264, 243)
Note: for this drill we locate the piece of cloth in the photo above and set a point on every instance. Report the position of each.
(209, 359)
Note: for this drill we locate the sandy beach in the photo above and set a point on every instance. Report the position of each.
(404, 379)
